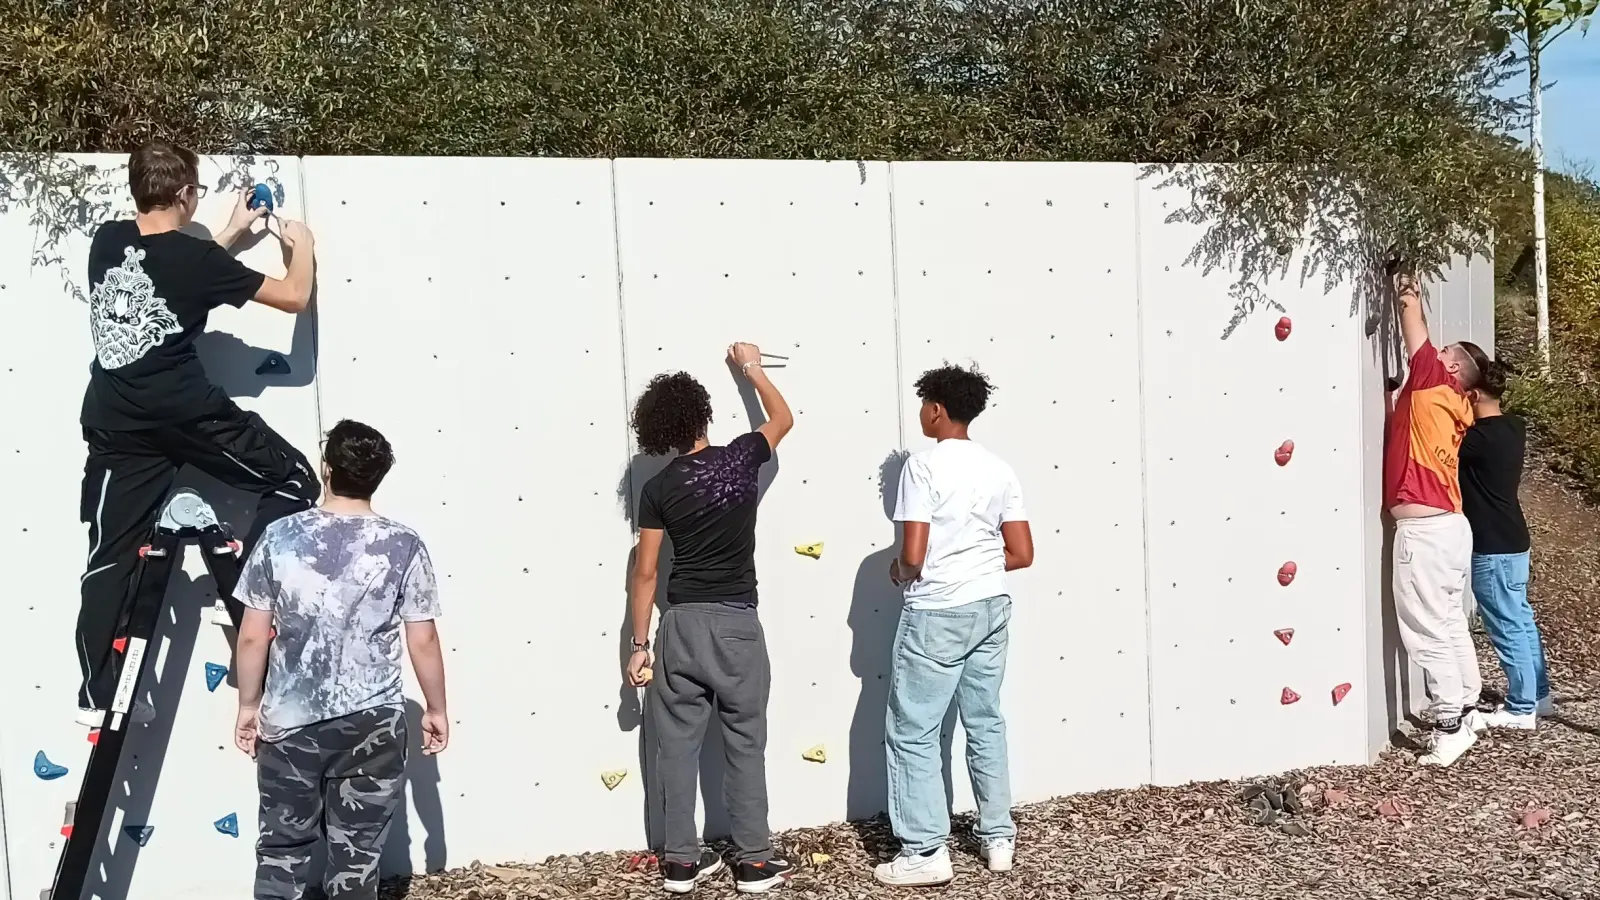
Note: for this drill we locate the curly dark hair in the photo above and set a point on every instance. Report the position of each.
(962, 392)
(1494, 378)
(358, 458)
(671, 414)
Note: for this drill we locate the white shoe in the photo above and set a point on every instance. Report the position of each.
(1448, 746)
(1547, 706)
(94, 718)
(1475, 721)
(913, 870)
(1503, 718)
(998, 853)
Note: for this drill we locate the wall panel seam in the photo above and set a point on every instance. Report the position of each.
(1144, 480)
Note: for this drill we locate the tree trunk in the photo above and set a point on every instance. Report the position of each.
(1541, 275)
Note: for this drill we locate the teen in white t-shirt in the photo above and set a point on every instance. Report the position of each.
(964, 527)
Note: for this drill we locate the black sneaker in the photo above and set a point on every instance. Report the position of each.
(758, 878)
(681, 878)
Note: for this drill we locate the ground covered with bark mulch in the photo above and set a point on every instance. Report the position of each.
(1519, 816)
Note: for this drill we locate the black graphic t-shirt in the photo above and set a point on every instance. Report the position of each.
(1491, 468)
(149, 296)
(706, 502)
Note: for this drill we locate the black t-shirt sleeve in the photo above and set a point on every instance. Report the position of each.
(226, 280)
(650, 505)
(752, 450)
(1471, 444)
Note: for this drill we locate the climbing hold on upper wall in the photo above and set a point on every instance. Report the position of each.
(1284, 453)
(817, 754)
(260, 196)
(812, 550)
(45, 769)
(1288, 697)
(1283, 328)
(1285, 634)
(1339, 692)
(613, 778)
(228, 824)
(139, 833)
(214, 675)
(274, 364)
(1286, 573)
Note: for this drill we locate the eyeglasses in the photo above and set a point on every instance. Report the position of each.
(199, 190)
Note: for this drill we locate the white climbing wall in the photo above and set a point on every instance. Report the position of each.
(497, 318)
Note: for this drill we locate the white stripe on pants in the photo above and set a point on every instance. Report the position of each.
(1432, 564)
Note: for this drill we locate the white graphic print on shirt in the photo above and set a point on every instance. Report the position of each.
(126, 317)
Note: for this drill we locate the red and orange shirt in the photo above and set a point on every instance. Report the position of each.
(1422, 450)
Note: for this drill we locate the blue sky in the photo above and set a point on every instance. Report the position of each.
(1572, 106)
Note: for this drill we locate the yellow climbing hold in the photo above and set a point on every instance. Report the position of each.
(818, 859)
(812, 550)
(612, 779)
(816, 754)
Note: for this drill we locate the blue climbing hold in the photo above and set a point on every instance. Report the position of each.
(45, 769)
(274, 364)
(229, 825)
(261, 196)
(139, 833)
(214, 676)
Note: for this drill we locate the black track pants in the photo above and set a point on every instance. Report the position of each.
(125, 484)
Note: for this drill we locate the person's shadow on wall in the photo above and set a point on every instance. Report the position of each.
(633, 703)
(422, 784)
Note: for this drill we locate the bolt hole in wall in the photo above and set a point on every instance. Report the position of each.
(522, 322)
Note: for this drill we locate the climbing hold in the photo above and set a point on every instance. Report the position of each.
(1283, 328)
(274, 364)
(1285, 634)
(1286, 573)
(228, 825)
(1288, 697)
(139, 833)
(818, 859)
(817, 754)
(1339, 692)
(45, 769)
(120, 645)
(1284, 453)
(613, 778)
(260, 196)
(214, 675)
(812, 550)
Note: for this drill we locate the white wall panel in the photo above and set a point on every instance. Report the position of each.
(468, 310)
(795, 257)
(1223, 517)
(1029, 270)
(188, 744)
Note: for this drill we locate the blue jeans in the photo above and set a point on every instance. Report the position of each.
(942, 655)
(1500, 583)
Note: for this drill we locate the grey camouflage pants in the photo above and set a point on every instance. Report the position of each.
(345, 776)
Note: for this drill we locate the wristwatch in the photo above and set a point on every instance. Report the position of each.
(641, 647)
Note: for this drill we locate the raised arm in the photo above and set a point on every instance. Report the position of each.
(747, 359)
(1413, 324)
(293, 293)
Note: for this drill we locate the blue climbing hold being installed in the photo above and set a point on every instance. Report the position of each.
(139, 833)
(45, 769)
(261, 196)
(274, 364)
(229, 825)
(214, 676)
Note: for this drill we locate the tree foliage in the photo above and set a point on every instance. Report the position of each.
(1368, 125)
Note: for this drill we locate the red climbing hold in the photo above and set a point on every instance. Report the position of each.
(1286, 573)
(1289, 697)
(1284, 453)
(1284, 327)
(94, 736)
(66, 831)
(1340, 692)
(1285, 634)
(120, 645)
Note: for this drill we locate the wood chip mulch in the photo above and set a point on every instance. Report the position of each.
(1518, 817)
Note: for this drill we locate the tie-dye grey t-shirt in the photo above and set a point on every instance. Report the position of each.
(338, 587)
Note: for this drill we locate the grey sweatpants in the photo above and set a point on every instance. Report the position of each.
(712, 656)
(347, 773)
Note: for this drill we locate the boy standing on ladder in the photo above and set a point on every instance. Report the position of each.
(329, 733)
(1432, 539)
(150, 408)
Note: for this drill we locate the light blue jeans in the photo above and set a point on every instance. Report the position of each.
(1500, 584)
(942, 655)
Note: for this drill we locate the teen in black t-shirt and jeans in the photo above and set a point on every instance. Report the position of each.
(710, 646)
(1491, 467)
(150, 408)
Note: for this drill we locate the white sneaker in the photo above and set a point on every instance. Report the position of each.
(1448, 746)
(913, 870)
(1475, 721)
(141, 714)
(998, 853)
(1503, 718)
(1547, 706)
